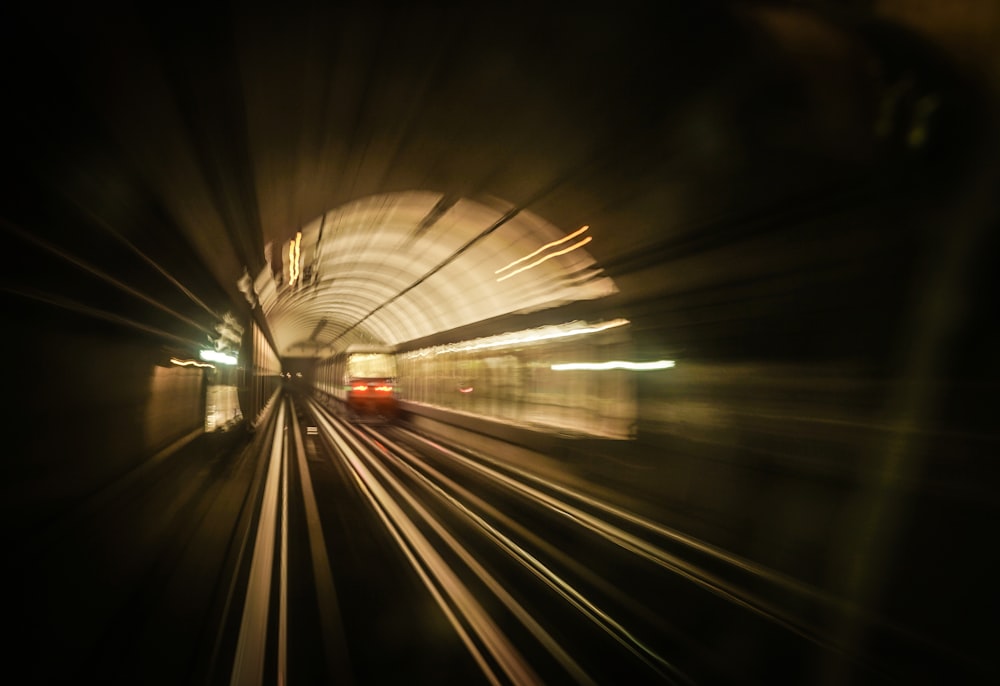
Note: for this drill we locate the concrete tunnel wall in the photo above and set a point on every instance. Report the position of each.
(97, 400)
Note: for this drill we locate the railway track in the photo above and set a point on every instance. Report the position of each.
(409, 559)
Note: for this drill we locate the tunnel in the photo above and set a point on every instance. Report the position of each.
(682, 315)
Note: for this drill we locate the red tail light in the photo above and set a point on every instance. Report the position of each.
(360, 387)
(384, 389)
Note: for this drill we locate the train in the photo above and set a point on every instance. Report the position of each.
(364, 378)
(573, 378)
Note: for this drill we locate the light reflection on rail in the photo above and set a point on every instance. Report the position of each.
(457, 602)
(406, 491)
(360, 448)
(649, 550)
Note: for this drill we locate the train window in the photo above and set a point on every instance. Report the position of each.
(371, 366)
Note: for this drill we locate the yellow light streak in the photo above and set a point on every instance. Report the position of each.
(544, 247)
(190, 363)
(547, 257)
(294, 258)
(614, 364)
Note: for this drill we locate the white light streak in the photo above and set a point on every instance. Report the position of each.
(521, 337)
(216, 356)
(614, 364)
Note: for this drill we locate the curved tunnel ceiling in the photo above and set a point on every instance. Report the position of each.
(417, 152)
(396, 267)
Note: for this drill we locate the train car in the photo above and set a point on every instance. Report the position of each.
(370, 389)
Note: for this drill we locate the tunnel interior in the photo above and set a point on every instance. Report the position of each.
(793, 204)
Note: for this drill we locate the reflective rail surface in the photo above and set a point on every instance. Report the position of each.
(320, 551)
(409, 559)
